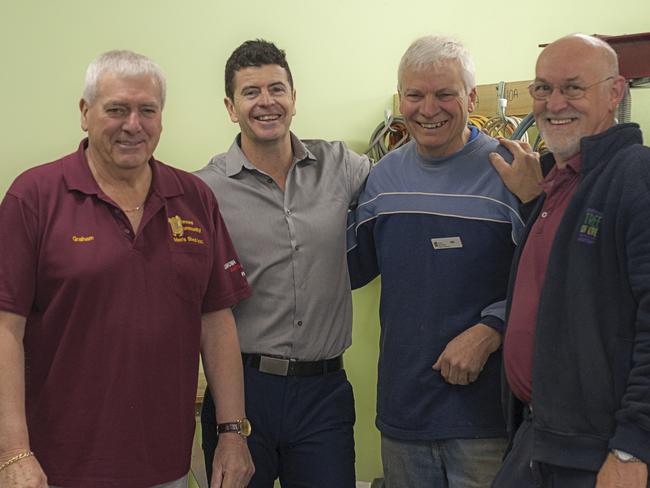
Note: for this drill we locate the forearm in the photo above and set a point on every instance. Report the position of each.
(14, 438)
(222, 364)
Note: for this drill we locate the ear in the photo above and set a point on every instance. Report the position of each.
(230, 107)
(399, 100)
(83, 108)
(471, 100)
(618, 91)
(293, 94)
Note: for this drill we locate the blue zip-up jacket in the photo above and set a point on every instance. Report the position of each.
(591, 362)
(441, 232)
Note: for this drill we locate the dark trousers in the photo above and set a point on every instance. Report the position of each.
(519, 471)
(302, 430)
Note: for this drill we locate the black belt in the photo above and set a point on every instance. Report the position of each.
(291, 367)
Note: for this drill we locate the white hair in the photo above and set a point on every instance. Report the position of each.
(434, 50)
(122, 63)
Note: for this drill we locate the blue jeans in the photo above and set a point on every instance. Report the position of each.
(302, 430)
(448, 463)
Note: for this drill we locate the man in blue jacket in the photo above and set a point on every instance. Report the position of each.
(439, 225)
(577, 344)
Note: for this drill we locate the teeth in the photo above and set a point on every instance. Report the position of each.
(433, 126)
(559, 121)
(267, 117)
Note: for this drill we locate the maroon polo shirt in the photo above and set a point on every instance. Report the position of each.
(559, 186)
(113, 318)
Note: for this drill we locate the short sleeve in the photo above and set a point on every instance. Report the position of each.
(18, 248)
(227, 285)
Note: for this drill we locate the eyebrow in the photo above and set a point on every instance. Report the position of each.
(122, 103)
(257, 87)
(569, 80)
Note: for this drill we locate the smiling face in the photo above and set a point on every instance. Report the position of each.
(263, 104)
(123, 122)
(563, 123)
(435, 105)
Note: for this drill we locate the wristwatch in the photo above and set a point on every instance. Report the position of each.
(625, 457)
(239, 426)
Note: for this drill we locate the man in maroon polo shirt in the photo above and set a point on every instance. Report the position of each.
(577, 343)
(115, 270)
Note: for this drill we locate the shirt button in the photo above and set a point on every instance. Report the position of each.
(544, 215)
(288, 212)
(297, 247)
(300, 323)
(269, 180)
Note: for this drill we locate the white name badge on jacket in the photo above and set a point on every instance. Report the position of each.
(446, 243)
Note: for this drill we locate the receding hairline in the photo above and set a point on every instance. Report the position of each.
(606, 53)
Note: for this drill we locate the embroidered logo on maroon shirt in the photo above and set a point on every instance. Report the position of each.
(182, 230)
(233, 266)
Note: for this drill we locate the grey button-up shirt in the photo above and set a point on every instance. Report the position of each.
(292, 246)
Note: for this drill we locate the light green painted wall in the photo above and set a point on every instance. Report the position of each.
(343, 55)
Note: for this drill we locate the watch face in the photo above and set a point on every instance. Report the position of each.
(245, 426)
(623, 456)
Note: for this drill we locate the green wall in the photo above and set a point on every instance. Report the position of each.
(343, 55)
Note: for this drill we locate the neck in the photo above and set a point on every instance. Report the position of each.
(127, 188)
(274, 159)
(562, 161)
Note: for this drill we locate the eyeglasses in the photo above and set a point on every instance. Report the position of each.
(571, 91)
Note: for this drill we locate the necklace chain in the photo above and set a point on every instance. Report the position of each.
(135, 209)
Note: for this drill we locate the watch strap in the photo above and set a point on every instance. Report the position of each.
(239, 426)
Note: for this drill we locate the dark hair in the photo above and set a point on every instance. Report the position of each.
(254, 53)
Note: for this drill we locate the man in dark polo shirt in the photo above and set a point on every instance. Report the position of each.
(115, 269)
(577, 344)
(285, 202)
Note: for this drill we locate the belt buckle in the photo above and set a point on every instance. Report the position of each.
(276, 366)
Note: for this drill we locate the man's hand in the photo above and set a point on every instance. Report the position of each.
(465, 355)
(614, 473)
(232, 466)
(26, 473)
(523, 176)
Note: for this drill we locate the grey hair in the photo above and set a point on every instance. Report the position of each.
(434, 50)
(122, 63)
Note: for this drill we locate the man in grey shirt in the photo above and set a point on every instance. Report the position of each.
(285, 203)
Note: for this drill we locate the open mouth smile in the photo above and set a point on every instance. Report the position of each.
(434, 125)
(267, 118)
(560, 121)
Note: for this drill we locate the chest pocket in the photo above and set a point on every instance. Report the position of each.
(190, 265)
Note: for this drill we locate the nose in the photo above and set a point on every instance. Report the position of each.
(132, 122)
(429, 106)
(557, 101)
(265, 98)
